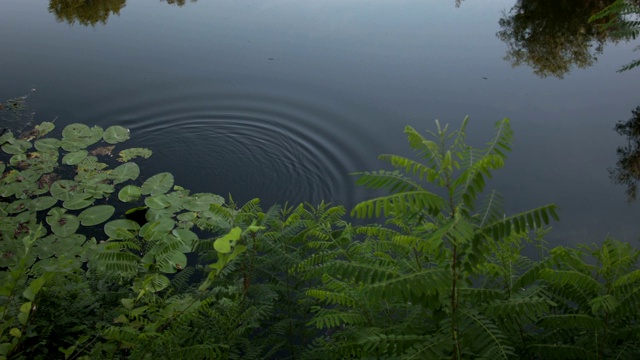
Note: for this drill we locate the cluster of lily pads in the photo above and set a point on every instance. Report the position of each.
(57, 191)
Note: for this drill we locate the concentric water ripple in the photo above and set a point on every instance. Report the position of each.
(280, 149)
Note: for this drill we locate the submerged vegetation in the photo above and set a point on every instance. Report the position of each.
(97, 263)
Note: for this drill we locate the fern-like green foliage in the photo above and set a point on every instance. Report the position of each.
(623, 21)
(408, 285)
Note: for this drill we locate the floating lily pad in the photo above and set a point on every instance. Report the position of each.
(156, 282)
(16, 147)
(157, 229)
(78, 201)
(47, 145)
(157, 184)
(121, 229)
(54, 245)
(116, 134)
(2, 167)
(129, 193)
(78, 136)
(202, 201)
(128, 154)
(62, 224)
(187, 237)
(6, 137)
(124, 172)
(19, 206)
(172, 262)
(75, 157)
(64, 189)
(17, 158)
(157, 202)
(45, 128)
(96, 215)
(44, 202)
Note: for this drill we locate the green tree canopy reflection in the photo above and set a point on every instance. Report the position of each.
(553, 36)
(85, 12)
(627, 171)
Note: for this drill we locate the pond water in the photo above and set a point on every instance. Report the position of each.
(282, 99)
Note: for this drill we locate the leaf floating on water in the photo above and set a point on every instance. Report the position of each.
(103, 150)
(128, 154)
(74, 158)
(64, 189)
(129, 193)
(16, 146)
(121, 229)
(78, 136)
(45, 128)
(62, 224)
(157, 184)
(124, 172)
(96, 215)
(49, 144)
(116, 134)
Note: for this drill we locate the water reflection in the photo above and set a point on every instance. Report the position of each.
(553, 36)
(92, 12)
(627, 171)
(85, 12)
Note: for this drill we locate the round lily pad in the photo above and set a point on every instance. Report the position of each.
(78, 201)
(172, 262)
(47, 145)
(96, 215)
(202, 201)
(121, 229)
(157, 184)
(156, 282)
(79, 136)
(17, 158)
(74, 158)
(129, 193)
(116, 134)
(62, 224)
(19, 206)
(157, 202)
(64, 189)
(16, 147)
(124, 172)
(44, 202)
(157, 229)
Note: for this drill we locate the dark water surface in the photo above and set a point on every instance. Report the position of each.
(281, 99)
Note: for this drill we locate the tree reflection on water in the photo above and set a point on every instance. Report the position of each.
(553, 36)
(92, 12)
(627, 171)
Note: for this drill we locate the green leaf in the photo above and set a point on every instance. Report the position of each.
(156, 282)
(62, 224)
(17, 158)
(78, 201)
(64, 189)
(121, 229)
(48, 145)
(33, 289)
(116, 134)
(174, 261)
(202, 201)
(124, 172)
(157, 184)
(17, 147)
(44, 202)
(157, 229)
(15, 332)
(74, 158)
(128, 154)
(96, 215)
(78, 136)
(223, 244)
(157, 202)
(129, 193)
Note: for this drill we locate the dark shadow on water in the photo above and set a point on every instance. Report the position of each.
(627, 170)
